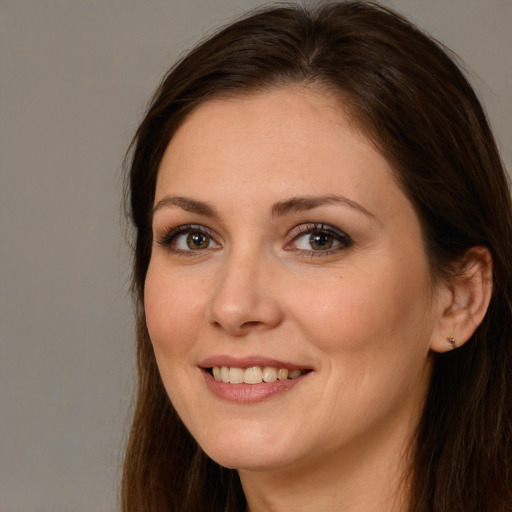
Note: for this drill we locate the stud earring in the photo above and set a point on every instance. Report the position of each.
(451, 341)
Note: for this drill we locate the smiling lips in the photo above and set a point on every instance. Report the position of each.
(252, 379)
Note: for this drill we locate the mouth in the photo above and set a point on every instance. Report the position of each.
(254, 374)
(251, 379)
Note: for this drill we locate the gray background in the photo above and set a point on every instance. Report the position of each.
(75, 78)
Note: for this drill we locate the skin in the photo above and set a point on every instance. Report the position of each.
(362, 316)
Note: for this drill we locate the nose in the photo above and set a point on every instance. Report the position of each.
(245, 297)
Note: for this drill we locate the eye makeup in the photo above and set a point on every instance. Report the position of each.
(317, 240)
(188, 239)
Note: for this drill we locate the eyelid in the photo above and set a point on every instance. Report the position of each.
(315, 226)
(303, 229)
(169, 235)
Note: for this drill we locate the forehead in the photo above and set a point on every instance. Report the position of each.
(288, 130)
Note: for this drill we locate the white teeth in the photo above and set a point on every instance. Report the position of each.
(253, 375)
(236, 375)
(224, 374)
(282, 374)
(269, 374)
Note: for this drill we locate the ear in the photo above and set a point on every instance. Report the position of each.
(464, 300)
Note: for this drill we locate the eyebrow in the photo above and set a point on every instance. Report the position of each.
(300, 204)
(279, 209)
(187, 204)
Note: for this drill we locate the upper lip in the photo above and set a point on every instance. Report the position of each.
(249, 361)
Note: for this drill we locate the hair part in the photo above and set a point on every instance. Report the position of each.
(410, 99)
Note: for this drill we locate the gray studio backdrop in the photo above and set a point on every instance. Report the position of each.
(75, 78)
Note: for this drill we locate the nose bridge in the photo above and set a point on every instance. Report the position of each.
(243, 298)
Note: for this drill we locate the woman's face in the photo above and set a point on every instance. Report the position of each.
(282, 242)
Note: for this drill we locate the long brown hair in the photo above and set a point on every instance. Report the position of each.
(412, 101)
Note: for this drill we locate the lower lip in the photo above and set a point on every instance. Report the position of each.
(249, 393)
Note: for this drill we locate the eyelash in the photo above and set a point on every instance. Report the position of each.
(343, 241)
(170, 237)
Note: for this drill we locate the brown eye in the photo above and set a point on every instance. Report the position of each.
(197, 240)
(321, 241)
(188, 239)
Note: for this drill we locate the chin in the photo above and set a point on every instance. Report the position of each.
(255, 452)
(249, 462)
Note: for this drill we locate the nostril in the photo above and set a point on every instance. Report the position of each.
(242, 328)
(251, 324)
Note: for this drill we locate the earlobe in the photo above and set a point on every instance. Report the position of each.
(466, 299)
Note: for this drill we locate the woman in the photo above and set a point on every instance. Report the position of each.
(322, 276)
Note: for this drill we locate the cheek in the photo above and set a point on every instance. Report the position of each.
(172, 311)
(372, 331)
(363, 309)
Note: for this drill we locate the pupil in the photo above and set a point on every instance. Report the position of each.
(320, 241)
(197, 241)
